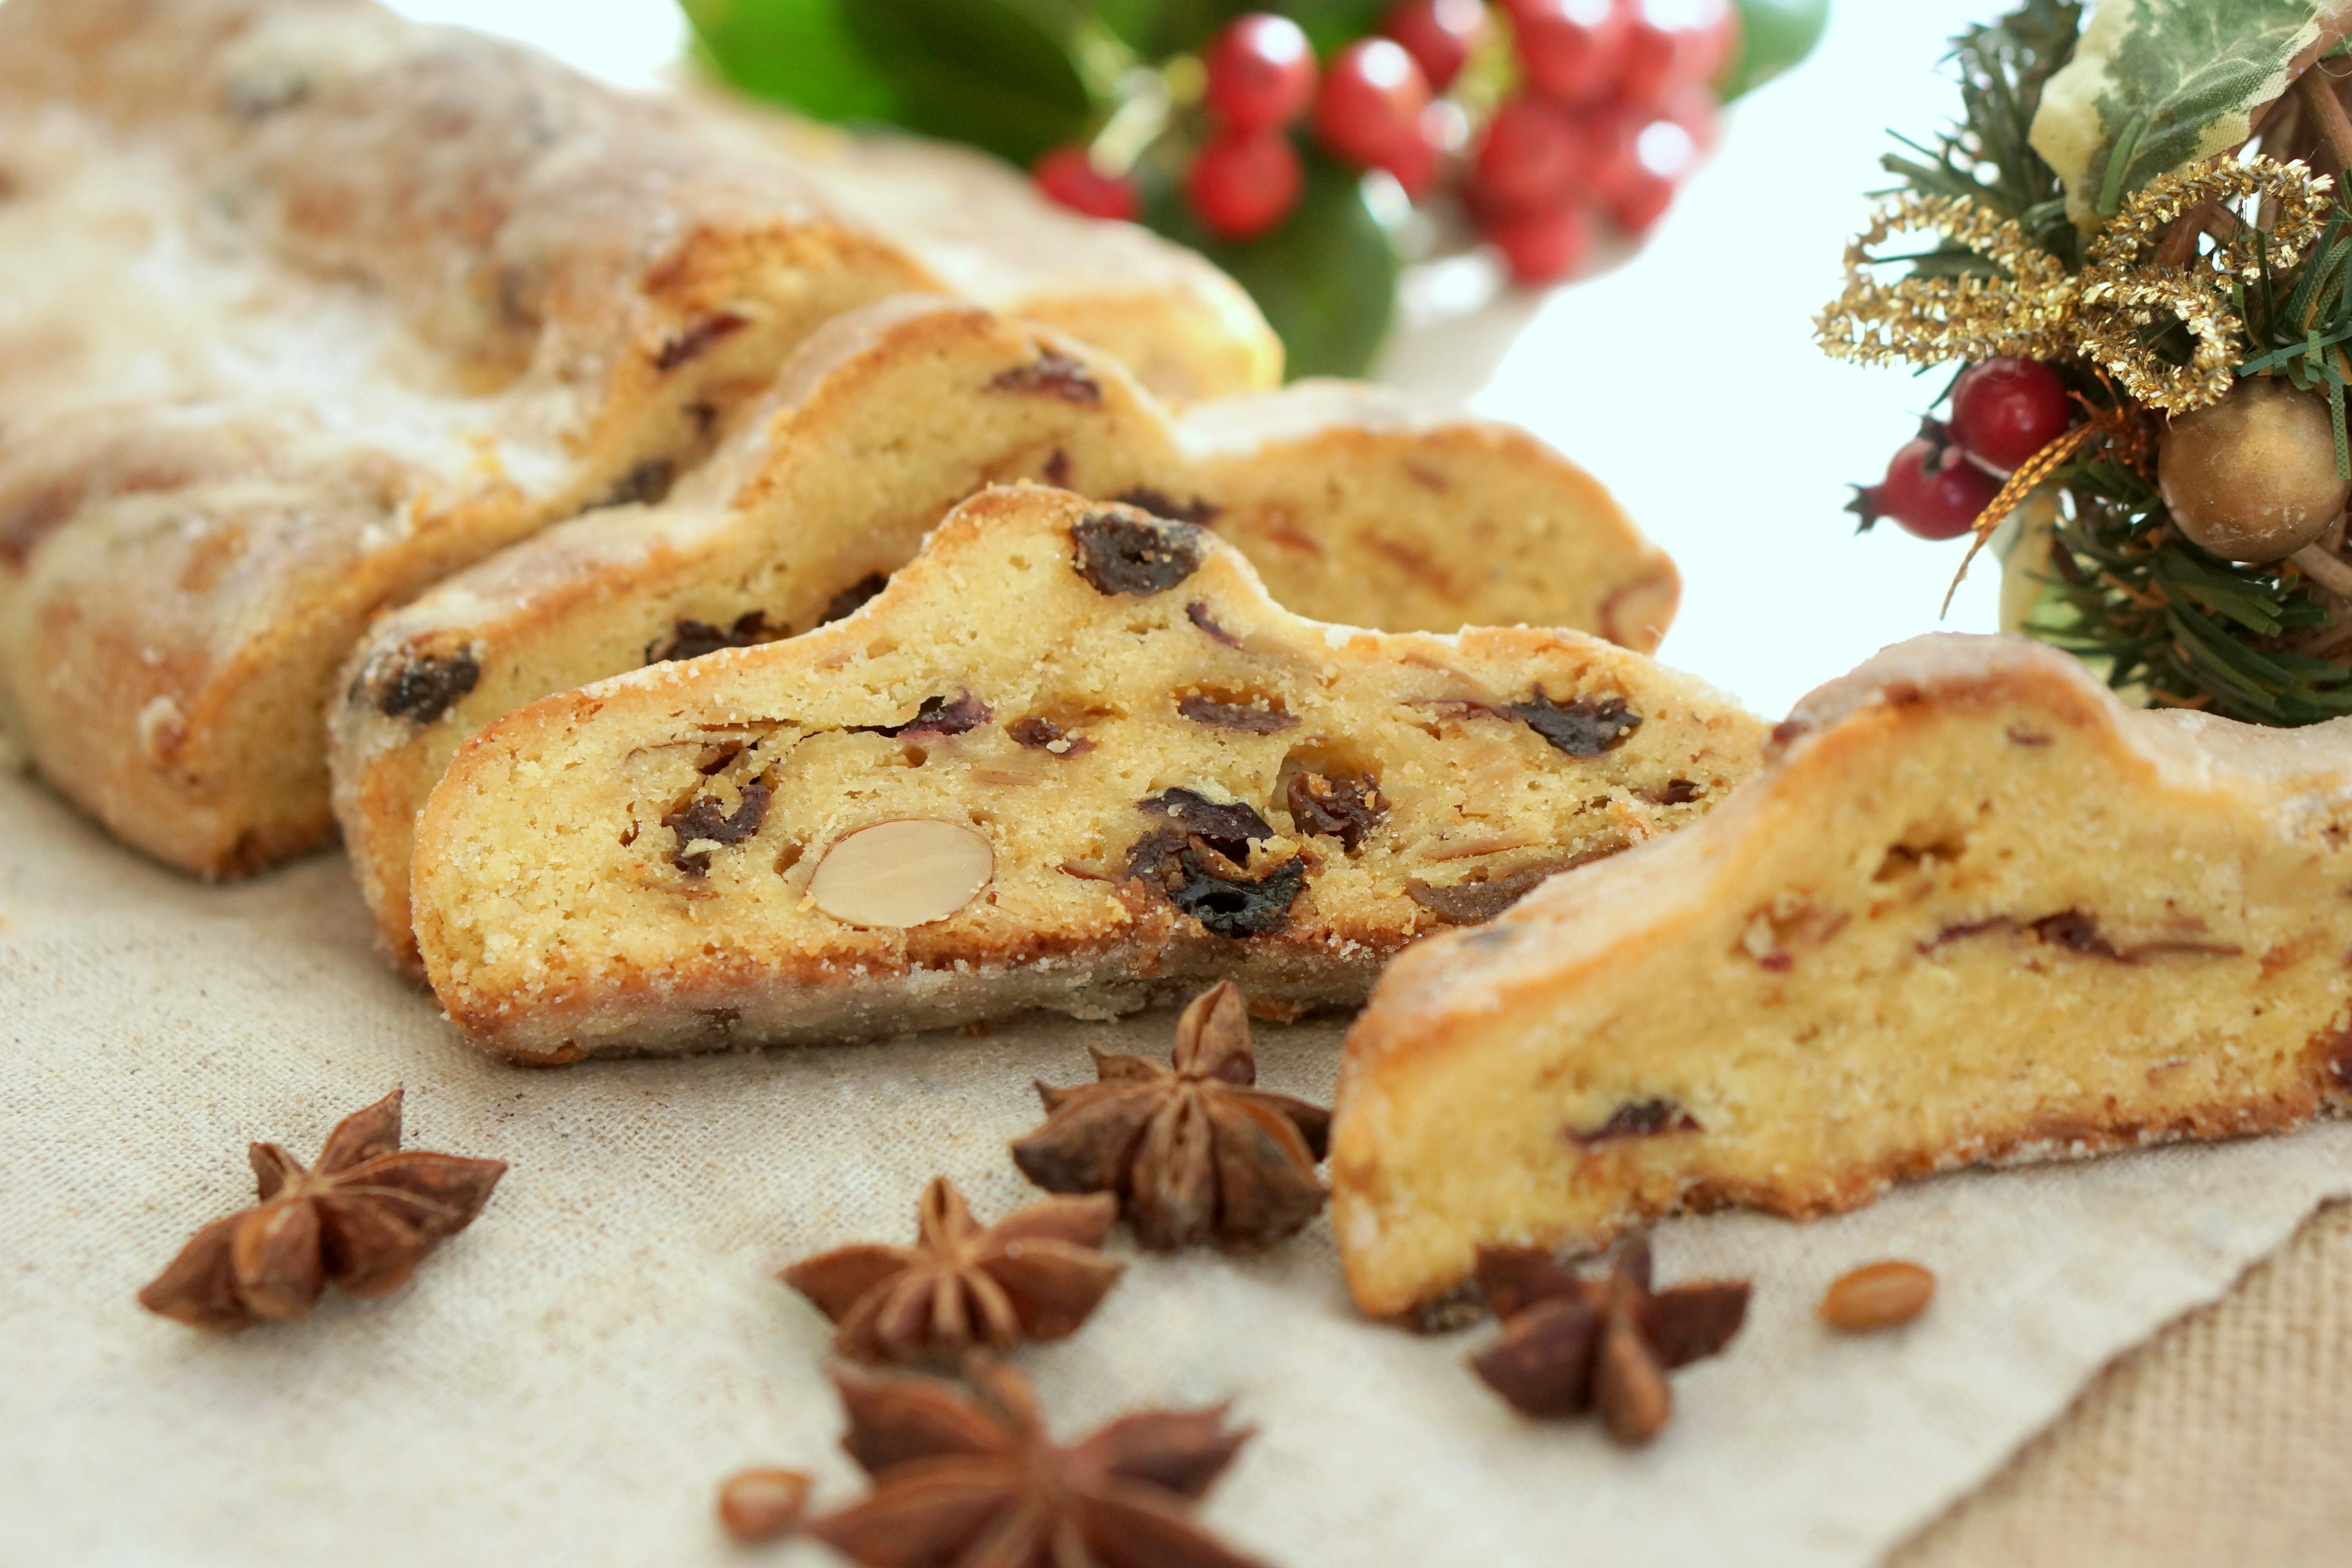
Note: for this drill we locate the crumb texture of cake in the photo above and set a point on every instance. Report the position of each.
(1073, 757)
(1354, 505)
(309, 307)
(1969, 909)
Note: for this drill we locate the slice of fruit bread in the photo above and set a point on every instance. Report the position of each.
(1970, 907)
(1073, 757)
(1354, 505)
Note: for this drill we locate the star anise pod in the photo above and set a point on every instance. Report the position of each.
(362, 1220)
(978, 1481)
(1571, 1344)
(1194, 1154)
(1034, 1275)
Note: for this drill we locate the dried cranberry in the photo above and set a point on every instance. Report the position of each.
(1051, 374)
(426, 687)
(1134, 554)
(1638, 1119)
(937, 716)
(1581, 728)
(1205, 886)
(1345, 809)
(691, 342)
(852, 598)
(1159, 503)
(1039, 734)
(1237, 716)
(692, 639)
(1228, 828)
(702, 820)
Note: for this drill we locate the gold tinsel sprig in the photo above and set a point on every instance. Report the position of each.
(2034, 309)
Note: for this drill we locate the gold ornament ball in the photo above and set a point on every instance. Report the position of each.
(2252, 478)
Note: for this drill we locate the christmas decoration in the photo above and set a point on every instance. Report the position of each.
(2135, 248)
(1312, 147)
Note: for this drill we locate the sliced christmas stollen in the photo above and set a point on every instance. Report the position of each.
(1972, 908)
(1353, 504)
(307, 307)
(1073, 757)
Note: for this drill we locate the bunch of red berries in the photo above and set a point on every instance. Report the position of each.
(2003, 412)
(1616, 105)
(1613, 104)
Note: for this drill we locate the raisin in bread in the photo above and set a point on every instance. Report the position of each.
(1970, 907)
(1352, 505)
(307, 307)
(1073, 757)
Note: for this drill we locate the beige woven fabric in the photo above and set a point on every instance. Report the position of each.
(2225, 1440)
(567, 1381)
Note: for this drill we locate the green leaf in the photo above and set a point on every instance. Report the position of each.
(1774, 36)
(1156, 28)
(796, 52)
(1326, 279)
(2156, 85)
(1005, 74)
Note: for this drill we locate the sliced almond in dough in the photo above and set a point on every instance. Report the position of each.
(909, 872)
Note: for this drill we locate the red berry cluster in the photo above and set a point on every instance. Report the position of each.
(2004, 411)
(1615, 105)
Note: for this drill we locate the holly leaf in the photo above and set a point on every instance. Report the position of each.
(795, 52)
(1326, 279)
(1005, 74)
(1774, 35)
(2157, 84)
(1010, 76)
(1156, 28)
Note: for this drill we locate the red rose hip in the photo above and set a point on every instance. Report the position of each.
(1931, 493)
(2005, 410)
(1261, 73)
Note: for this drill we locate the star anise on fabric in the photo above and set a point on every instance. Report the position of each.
(1034, 1275)
(976, 1480)
(362, 1219)
(1195, 1154)
(1571, 1344)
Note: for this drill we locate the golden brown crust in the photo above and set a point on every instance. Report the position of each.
(1969, 911)
(1353, 504)
(607, 939)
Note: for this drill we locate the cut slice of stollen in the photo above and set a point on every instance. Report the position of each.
(1970, 907)
(1073, 757)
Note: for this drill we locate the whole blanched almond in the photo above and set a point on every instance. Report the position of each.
(906, 872)
(760, 1505)
(1878, 1295)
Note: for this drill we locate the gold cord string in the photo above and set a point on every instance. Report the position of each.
(2030, 306)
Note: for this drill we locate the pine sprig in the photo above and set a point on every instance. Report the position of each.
(1988, 156)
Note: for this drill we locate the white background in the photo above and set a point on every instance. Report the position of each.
(1686, 379)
